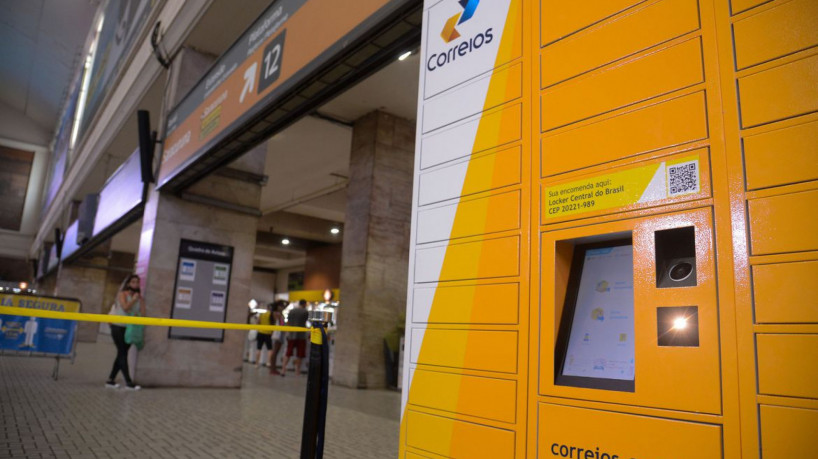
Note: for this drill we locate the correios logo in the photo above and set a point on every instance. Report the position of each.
(450, 33)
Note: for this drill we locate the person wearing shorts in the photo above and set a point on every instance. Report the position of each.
(296, 341)
(265, 338)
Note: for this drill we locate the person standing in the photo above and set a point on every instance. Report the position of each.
(278, 335)
(296, 341)
(264, 337)
(128, 298)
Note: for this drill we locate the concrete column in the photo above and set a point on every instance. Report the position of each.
(85, 281)
(376, 247)
(167, 220)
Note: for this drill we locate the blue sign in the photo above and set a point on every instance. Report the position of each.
(36, 334)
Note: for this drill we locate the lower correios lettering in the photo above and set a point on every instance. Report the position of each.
(575, 452)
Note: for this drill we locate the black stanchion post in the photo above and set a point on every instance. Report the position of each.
(315, 404)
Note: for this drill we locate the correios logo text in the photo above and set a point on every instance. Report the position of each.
(450, 33)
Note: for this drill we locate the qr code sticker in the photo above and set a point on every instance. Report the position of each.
(683, 178)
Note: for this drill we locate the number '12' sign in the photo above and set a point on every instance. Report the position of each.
(271, 62)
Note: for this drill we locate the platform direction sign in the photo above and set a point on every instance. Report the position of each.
(289, 41)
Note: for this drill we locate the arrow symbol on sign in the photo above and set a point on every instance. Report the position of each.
(249, 81)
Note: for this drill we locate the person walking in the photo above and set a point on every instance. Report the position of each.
(128, 298)
(296, 341)
(278, 335)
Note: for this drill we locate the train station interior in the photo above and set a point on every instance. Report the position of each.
(528, 229)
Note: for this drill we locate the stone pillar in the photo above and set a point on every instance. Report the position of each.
(167, 220)
(376, 247)
(85, 281)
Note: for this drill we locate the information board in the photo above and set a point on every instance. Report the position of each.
(37, 334)
(202, 284)
(596, 342)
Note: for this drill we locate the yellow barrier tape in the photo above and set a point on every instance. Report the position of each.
(150, 321)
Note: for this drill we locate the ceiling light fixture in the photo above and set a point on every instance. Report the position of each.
(335, 230)
(404, 55)
(285, 241)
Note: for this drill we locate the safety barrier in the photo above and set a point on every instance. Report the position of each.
(315, 404)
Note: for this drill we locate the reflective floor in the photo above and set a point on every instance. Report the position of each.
(76, 417)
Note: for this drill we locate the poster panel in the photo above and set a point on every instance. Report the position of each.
(201, 291)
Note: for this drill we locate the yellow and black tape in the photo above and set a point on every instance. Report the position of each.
(149, 321)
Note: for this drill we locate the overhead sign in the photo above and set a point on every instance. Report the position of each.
(122, 193)
(70, 243)
(37, 334)
(122, 22)
(291, 39)
(59, 155)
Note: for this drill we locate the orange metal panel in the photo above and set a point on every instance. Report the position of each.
(468, 349)
(788, 432)
(783, 156)
(489, 398)
(694, 370)
(494, 171)
(483, 259)
(788, 365)
(743, 5)
(638, 30)
(570, 432)
(453, 438)
(474, 304)
(503, 209)
(780, 92)
(784, 223)
(785, 29)
(630, 82)
(667, 123)
(781, 295)
(559, 18)
(500, 127)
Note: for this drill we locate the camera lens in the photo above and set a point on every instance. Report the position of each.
(680, 271)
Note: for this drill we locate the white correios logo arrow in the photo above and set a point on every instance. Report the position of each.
(249, 81)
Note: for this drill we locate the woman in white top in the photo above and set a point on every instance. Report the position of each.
(127, 299)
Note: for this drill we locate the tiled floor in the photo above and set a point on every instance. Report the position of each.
(76, 417)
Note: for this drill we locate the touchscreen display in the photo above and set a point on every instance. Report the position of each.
(600, 343)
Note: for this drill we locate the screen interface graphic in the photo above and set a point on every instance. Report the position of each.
(601, 344)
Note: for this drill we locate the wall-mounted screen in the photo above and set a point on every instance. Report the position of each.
(122, 193)
(595, 345)
(70, 244)
(42, 266)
